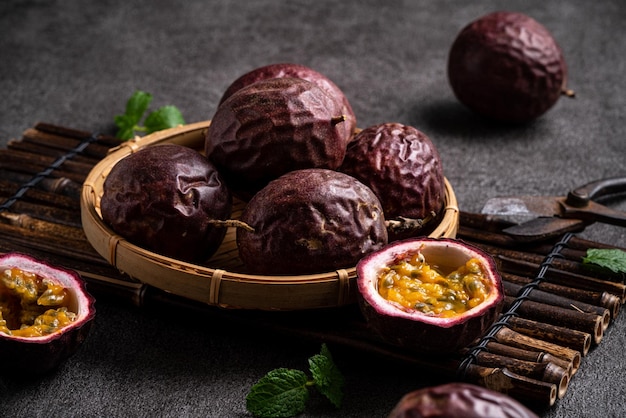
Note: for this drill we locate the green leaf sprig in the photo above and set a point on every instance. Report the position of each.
(613, 259)
(284, 392)
(129, 124)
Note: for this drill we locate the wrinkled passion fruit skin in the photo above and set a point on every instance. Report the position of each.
(412, 329)
(310, 221)
(281, 70)
(163, 198)
(507, 66)
(459, 400)
(403, 168)
(272, 127)
(26, 356)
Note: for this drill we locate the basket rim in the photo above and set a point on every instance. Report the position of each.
(211, 285)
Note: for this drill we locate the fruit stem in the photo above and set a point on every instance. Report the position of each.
(338, 119)
(568, 92)
(401, 223)
(231, 222)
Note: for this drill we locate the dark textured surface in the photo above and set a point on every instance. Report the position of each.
(74, 63)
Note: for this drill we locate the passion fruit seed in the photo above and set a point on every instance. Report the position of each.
(414, 284)
(46, 314)
(32, 306)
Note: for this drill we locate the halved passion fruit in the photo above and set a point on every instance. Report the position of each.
(45, 314)
(428, 294)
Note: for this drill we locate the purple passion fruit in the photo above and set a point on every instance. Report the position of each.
(272, 127)
(310, 221)
(168, 199)
(403, 168)
(432, 295)
(281, 70)
(45, 314)
(459, 400)
(507, 66)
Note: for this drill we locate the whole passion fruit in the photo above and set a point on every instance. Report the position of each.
(430, 295)
(403, 168)
(287, 69)
(310, 221)
(45, 314)
(460, 400)
(508, 67)
(272, 127)
(168, 199)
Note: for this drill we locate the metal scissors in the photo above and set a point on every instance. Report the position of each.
(541, 217)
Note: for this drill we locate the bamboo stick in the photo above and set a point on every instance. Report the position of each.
(529, 355)
(32, 160)
(566, 337)
(42, 140)
(545, 372)
(58, 231)
(48, 213)
(562, 264)
(7, 162)
(47, 151)
(546, 298)
(60, 185)
(603, 299)
(103, 139)
(512, 265)
(541, 312)
(509, 337)
(42, 241)
(40, 197)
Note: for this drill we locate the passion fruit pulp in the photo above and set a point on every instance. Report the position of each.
(45, 314)
(507, 66)
(428, 328)
(310, 221)
(459, 400)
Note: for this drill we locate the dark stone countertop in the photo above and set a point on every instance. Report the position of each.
(75, 63)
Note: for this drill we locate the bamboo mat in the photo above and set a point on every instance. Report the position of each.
(556, 308)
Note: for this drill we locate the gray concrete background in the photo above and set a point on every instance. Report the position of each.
(75, 63)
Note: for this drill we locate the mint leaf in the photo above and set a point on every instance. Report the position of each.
(327, 377)
(280, 393)
(137, 105)
(612, 259)
(130, 122)
(126, 126)
(284, 392)
(164, 118)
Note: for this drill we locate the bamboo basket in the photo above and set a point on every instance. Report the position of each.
(222, 281)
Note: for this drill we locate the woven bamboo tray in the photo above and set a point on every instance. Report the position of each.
(222, 281)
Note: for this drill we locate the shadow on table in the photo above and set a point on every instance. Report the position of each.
(448, 117)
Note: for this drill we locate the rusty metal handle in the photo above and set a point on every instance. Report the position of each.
(580, 196)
